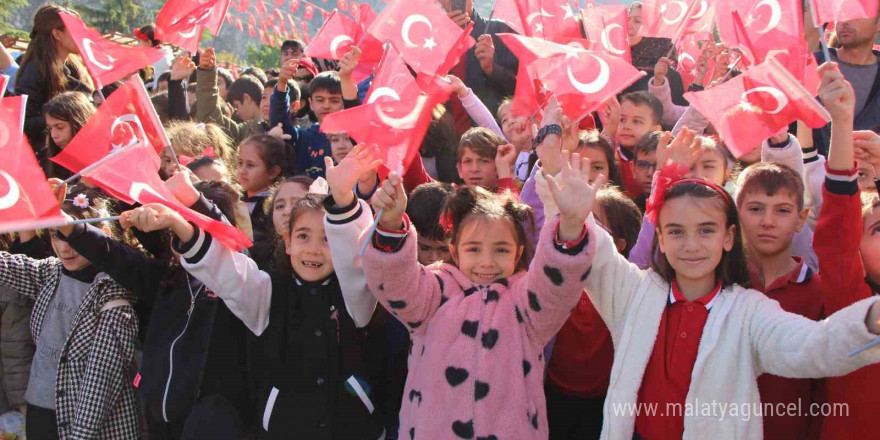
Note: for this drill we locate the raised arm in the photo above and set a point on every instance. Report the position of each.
(25, 274)
(474, 106)
(659, 87)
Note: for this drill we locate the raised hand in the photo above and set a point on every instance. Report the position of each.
(157, 217)
(867, 146)
(458, 86)
(573, 194)
(180, 184)
(461, 18)
(485, 53)
(505, 158)
(208, 61)
(660, 70)
(836, 93)
(278, 132)
(683, 150)
(349, 62)
(342, 178)
(285, 74)
(391, 200)
(182, 68)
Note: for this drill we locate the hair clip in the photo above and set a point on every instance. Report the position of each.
(81, 201)
(446, 222)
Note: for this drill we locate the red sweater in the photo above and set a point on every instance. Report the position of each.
(626, 164)
(799, 292)
(836, 242)
(582, 354)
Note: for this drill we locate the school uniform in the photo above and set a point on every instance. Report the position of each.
(314, 382)
(836, 240)
(745, 335)
(797, 292)
(626, 160)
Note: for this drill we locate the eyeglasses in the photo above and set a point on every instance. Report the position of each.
(646, 166)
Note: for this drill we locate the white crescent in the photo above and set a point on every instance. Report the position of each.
(405, 122)
(138, 187)
(380, 92)
(683, 10)
(597, 84)
(11, 197)
(191, 33)
(140, 135)
(408, 23)
(90, 53)
(775, 14)
(606, 40)
(703, 8)
(534, 15)
(336, 42)
(686, 56)
(781, 99)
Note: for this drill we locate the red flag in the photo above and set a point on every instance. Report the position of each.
(305, 34)
(126, 118)
(508, 12)
(294, 5)
(180, 22)
(833, 11)
(107, 61)
(342, 5)
(242, 5)
(549, 19)
(420, 30)
(674, 18)
(12, 120)
(309, 12)
(609, 27)
(765, 99)
(396, 127)
(393, 80)
(530, 49)
(354, 8)
(688, 53)
(463, 44)
(583, 81)
(132, 175)
(4, 83)
(335, 37)
(27, 201)
(762, 19)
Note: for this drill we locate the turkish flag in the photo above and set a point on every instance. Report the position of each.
(396, 127)
(608, 28)
(126, 118)
(294, 5)
(27, 201)
(305, 34)
(12, 120)
(421, 31)
(674, 18)
(549, 19)
(309, 12)
(764, 100)
(688, 54)
(242, 5)
(582, 81)
(336, 36)
(530, 49)
(132, 175)
(107, 61)
(762, 18)
(393, 80)
(834, 11)
(180, 22)
(507, 11)
(4, 83)
(342, 5)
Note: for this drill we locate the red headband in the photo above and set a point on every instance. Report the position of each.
(670, 175)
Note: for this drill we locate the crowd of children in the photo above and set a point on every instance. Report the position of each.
(525, 278)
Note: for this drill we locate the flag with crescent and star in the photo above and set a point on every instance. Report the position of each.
(26, 201)
(393, 80)
(180, 22)
(421, 31)
(126, 118)
(105, 60)
(764, 19)
(675, 18)
(336, 37)
(766, 99)
(132, 175)
(552, 20)
(607, 27)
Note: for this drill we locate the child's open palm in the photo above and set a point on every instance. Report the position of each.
(573, 194)
(342, 178)
(683, 150)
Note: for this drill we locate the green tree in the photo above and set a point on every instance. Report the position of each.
(264, 56)
(7, 9)
(115, 15)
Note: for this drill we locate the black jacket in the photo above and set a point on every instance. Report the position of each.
(194, 346)
(502, 83)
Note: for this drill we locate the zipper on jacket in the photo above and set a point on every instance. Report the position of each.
(192, 305)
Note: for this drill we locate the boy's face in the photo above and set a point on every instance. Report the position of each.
(870, 246)
(323, 103)
(477, 170)
(710, 166)
(635, 122)
(264, 103)
(340, 146)
(866, 176)
(643, 170)
(432, 251)
(291, 53)
(247, 109)
(769, 222)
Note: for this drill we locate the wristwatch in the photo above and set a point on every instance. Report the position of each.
(546, 130)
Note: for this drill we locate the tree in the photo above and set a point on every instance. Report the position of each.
(263, 56)
(115, 15)
(7, 9)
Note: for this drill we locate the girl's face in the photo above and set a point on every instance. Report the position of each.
(340, 146)
(870, 246)
(866, 176)
(711, 166)
(168, 163)
(60, 131)
(70, 259)
(215, 172)
(252, 173)
(515, 128)
(285, 197)
(598, 161)
(693, 236)
(307, 247)
(487, 250)
(635, 21)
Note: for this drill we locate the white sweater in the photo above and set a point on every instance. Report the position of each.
(746, 334)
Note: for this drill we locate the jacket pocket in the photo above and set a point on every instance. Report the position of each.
(270, 405)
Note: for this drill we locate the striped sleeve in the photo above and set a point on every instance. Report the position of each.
(842, 182)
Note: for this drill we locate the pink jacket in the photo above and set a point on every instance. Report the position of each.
(476, 368)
